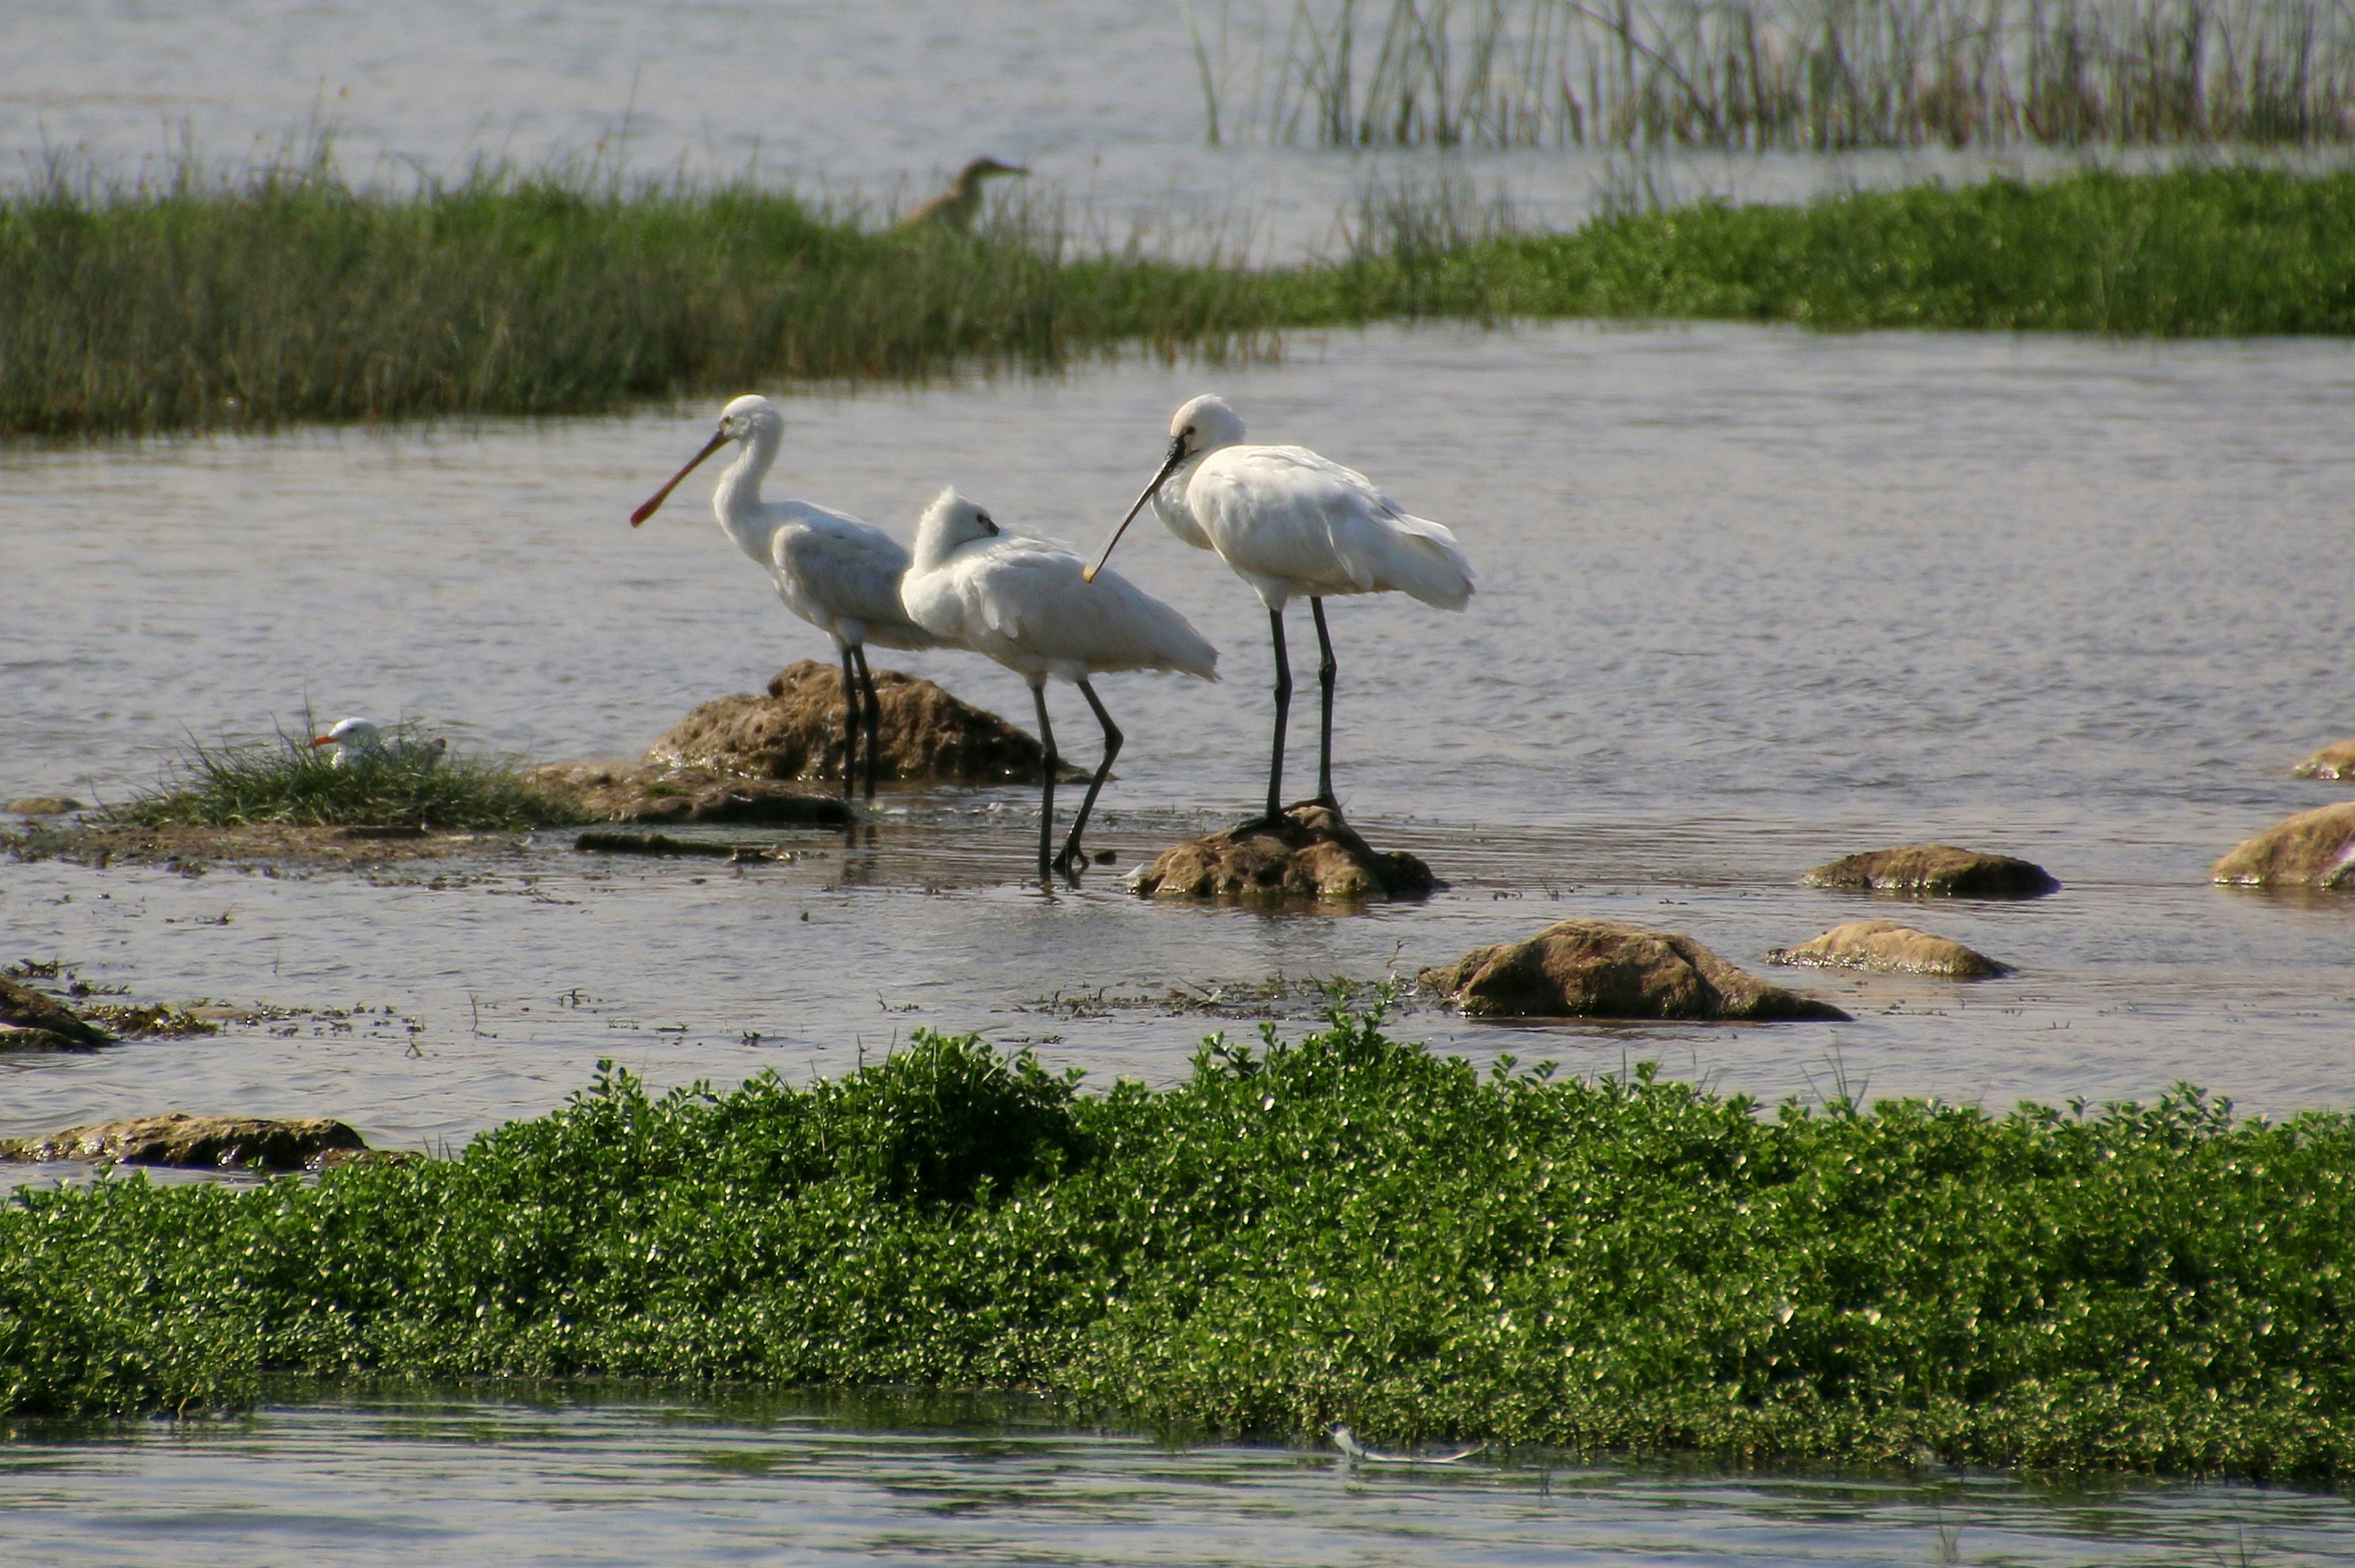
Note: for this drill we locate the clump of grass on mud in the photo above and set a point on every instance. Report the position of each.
(289, 295)
(1345, 1228)
(291, 781)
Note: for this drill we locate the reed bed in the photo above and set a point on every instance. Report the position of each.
(1347, 1228)
(287, 297)
(1820, 74)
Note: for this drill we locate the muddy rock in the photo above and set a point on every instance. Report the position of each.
(2313, 849)
(655, 792)
(43, 806)
(1311, 854)
(1605, 969)
(2336, 762)
(192, 1142)
(796, 732)
(32, 1020)
(1939, 868)
(1888, 948)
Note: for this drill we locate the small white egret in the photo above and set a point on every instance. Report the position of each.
(958, 205)
(360, 742)
(839, 574)
(1293, 524)
(1029, 604)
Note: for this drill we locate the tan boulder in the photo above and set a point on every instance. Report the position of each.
(32, 1020)
(796, 732)
(1311, 854)
(1939, 868)
(652, 792)
(1606, 969)
(1890, 949)
(2335, 762)
(192, 1142)
(43, 806)
(2313, 849)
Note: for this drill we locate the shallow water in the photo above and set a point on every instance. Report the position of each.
(866, 104)
(464, 1478)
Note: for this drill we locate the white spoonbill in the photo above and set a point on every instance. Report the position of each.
(1029, 604)
(839, 574)
(360, 743)
(1293, 524)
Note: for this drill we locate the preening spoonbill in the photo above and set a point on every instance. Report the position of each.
(1293, 524)
(837, 574)
(1029, 604)
(358, 742)
(958, 205)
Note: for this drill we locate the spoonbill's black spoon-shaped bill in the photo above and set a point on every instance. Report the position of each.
(1029, 604)
(839, 574)
(1293, 524)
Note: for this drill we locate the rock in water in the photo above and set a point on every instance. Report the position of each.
(1311, 854)
(2330, 762)
(2313, 849)
(1938, 869)
(648, 792)
(1606, 969)
(192, 1142)
(796, 732)
(1892, 949)
(43, 806)
(32, 1021)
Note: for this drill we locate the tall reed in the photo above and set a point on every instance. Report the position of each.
(1819, 74)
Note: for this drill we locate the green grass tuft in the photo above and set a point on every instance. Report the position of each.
(1344, 1228)
(292, 781)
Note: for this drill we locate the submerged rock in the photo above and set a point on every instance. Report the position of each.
(2335, 762)
(43, 806)
(796, 732)
(193, 1142)
(1939, 868)
(1607, 969)
(655, 792)
(1890, 949)
(31, 1020)
(1312, 853)
(2313, 849)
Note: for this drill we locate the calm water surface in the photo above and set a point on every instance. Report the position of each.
(470, 1479)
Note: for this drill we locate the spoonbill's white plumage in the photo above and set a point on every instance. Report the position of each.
(1347, 1442)
(1030, 604)
(360, 742)
(1295, 525)
(839, 574)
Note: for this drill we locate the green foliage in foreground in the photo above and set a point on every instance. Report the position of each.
(293, 297)
(1344, 1228)
(291, 781)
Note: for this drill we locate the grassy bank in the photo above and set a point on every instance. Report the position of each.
(292, 782)
(1345, 1228)
(292, 297)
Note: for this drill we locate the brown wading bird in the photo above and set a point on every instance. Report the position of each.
(956, 207)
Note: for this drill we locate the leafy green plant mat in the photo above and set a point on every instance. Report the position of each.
(288, 295)
(291, 782)
(1344, 1228)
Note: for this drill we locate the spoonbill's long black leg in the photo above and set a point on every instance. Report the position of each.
(1070, 859)
(849, 721)
(1326, 671)
(1047, 764)
(1283, 712)
(875, 708)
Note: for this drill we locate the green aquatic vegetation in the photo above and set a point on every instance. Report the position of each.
(1342, 1228)
(291, 296)
(291, 781)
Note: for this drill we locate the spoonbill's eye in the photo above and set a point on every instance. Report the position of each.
(1190, 430)
(983, 519)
